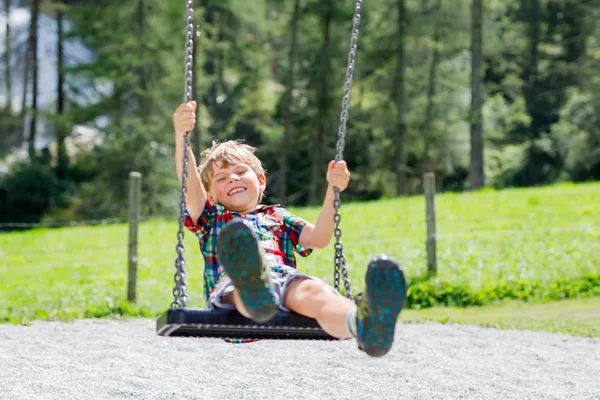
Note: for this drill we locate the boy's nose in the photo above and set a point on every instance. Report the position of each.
(233, 178)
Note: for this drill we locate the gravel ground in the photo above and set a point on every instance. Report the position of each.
(107, 359)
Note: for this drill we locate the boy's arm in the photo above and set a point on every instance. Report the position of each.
(319, 236)
(184, 120)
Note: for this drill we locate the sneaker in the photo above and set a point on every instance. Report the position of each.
(242, 257)
(379, 306)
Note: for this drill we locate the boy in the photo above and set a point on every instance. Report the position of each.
(249, 248)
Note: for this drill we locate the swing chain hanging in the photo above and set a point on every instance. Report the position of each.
(340, 259)
(180, 289)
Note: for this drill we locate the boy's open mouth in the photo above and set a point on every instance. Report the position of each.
(236, 190)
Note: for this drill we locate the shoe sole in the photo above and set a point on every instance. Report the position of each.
(386, 292)
(241, 256)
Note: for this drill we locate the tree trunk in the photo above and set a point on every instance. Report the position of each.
(61, 128)
(209, 95)
(399, 98)
(533, 11)
(35, 6)
(431, 89)
(476, 122)
(143, 78)
(197, 133)
(8, 70)
(533, 174)
(318, 167)
(23, 116)
(220, 85)
(287, 112)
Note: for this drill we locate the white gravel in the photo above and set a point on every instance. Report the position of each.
(108, 359)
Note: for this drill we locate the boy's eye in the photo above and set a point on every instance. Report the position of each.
(220, 179)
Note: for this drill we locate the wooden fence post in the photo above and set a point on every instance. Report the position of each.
(135, 179)
(429, 186)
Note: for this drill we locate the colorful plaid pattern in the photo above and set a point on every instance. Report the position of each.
(277, 229)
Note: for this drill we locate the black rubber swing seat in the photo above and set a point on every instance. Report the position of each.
(217, 323)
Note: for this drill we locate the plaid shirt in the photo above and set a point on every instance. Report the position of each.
(277, 229)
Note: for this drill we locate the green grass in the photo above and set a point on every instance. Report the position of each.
(577, 317)
(521, 244)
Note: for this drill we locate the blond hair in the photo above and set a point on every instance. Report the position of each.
(228, 153)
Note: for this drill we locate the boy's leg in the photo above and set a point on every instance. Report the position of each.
(373, 323)
(235, 300)
(242, 258)
(380, 305)
(225, 296)
(314, 299)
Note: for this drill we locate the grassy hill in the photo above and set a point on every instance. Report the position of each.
(538, 243)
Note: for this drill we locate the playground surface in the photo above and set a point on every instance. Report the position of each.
(112, 359)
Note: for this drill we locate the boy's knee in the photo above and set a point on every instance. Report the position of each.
(310, 289)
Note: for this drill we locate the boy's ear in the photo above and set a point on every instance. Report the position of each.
(209, 197)
(262, 183)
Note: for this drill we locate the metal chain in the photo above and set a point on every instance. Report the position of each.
(340, 259)
(180, 289)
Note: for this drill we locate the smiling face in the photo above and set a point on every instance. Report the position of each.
(236, 186)
(233, 176)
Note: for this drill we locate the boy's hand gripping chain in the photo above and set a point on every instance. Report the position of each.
(179, 291)
(340, 259)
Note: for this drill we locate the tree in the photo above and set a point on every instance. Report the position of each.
(323, 104)
(431, 91)
(33, 65)
(197, 134)
(399, 99)
(143, 75)
(287, 103)
(531, 71)
(9, 126)
(62, 162)
(7, 57)
(476, 120)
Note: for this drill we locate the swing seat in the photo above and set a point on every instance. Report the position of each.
(218, 323)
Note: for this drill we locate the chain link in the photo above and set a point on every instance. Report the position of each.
(180, 290)
(340, 259)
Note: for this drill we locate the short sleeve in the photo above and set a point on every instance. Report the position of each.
(293, 226)
(205, 221)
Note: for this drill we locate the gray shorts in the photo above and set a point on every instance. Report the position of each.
(280, 282)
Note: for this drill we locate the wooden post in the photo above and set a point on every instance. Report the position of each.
(135, 179)
(429, 186)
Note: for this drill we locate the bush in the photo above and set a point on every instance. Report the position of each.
(10, 131)
(538, 162)
(578, 136)
(435, 292)
(27, 191)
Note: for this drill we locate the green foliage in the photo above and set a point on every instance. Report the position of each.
(10, 131)
(107, 309)
(436, 292)
(578, 137)
(27, 192)
(106, 192)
